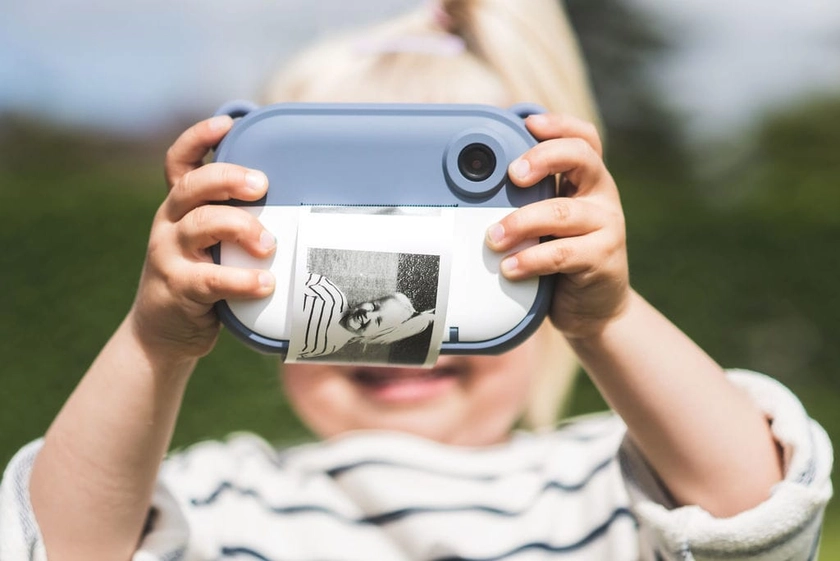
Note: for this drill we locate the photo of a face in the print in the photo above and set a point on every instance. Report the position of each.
(365, 306)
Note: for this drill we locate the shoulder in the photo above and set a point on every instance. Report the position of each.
(594, 433)
(235, 447)
(195, 468)
(320, 292)
(319, 284)
(584, 447)
(601, 424)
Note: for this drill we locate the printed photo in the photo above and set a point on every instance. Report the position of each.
(366, 307)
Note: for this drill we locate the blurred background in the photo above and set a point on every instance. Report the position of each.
(723, 128)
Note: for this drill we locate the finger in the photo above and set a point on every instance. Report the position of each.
(566, 256)
(207, 283)
(558, 217)
(562, 125)
(188, 151)
(573, 157)
(217, 182)
(208, 225)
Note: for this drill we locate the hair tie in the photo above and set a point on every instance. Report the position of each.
(441, 16)
(442, 45)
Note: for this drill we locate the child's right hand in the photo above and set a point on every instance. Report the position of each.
(173, 315)
(102, 453)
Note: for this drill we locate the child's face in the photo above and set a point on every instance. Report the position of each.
(463, 400)
(369, 319)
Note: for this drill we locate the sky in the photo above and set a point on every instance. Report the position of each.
(133, 65)
(739, 58)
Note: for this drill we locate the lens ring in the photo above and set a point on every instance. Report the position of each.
(484, 179)
(477, 162)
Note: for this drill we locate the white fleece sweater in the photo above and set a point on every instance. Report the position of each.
(582, 492)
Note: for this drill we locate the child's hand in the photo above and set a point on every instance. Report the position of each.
(173, 313)
(586, 222)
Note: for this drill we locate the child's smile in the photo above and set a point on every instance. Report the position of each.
(406, 385)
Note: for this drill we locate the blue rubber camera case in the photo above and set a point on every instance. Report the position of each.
(382, 155)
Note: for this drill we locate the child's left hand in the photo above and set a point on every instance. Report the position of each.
(673, 397)
(587, 223)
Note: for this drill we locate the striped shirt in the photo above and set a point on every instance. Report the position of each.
(582, 492)
(323, 305)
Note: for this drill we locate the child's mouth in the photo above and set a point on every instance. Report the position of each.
(375, 377)
(405, 384)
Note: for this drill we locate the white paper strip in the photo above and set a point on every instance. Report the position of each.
(371, 285)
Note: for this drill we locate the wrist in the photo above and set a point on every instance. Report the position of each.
(588, 331)
(166, 360)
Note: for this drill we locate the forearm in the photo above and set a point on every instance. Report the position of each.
(709, 444)
(92, 482)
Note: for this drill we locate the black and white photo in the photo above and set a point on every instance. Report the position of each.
(367, 307)
(371, 285)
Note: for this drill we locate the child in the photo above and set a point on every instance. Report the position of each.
(419, 464)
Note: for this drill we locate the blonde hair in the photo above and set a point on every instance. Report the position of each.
(514, 51)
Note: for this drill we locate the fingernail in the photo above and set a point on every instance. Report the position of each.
(537, 119)
(256, 180)
(266, 279)
(219, 122)
(496, 233)
(267, 241)
(520, 168)
(510, 264)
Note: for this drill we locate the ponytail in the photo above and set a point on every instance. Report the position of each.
(531, 46)
(514, 51)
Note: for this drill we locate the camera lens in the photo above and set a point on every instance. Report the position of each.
(476, 162)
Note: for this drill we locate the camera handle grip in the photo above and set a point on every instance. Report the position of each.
(524, 110)
(236, 108)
